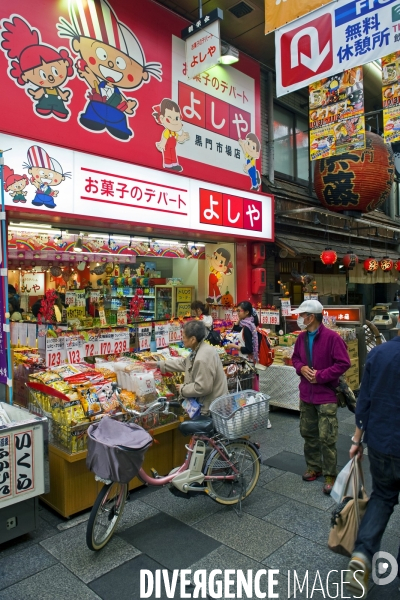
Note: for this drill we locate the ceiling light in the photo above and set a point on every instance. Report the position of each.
(78, 246)
(31, 231)
(229, 54)
(41, 225)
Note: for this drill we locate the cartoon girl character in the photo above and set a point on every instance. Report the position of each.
(220, 265)
(168, 114)
(38, 67)
(111, 60)
(251, 148)
(46, 174)
(15, 185)
(141, 270)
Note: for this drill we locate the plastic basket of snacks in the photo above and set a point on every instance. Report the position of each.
(242, 413)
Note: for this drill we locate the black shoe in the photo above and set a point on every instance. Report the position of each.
(93, 125)
(176, 168)
(121, 135)
(210, 300)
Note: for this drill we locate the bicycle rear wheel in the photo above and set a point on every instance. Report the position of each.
(105, 514)
(246, 461)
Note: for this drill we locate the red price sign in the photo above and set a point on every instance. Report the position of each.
(75, 349)
(55, 352)
(162, 335)
(105, 348)
(161, 341)
(269, 317)
(75, 356)
(144, 342)
(91, 348)
(54, 359)
(121, 346)
(175, 333)
(122, 317)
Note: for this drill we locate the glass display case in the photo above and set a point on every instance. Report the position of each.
(163, 301)
(173, 301)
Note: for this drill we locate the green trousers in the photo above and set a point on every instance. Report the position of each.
(319, 429)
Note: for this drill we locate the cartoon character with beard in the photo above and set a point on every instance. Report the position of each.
(46, 173)
(111, 60)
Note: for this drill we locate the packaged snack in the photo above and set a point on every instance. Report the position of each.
(89, 400)
(47, 377)
(144, 387)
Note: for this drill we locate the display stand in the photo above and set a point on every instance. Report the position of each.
(73, 487)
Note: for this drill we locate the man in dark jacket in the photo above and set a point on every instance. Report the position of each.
(378, 418)
(320, 357)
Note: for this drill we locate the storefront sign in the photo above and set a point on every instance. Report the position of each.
(162, 335)
(33, 283)
(339, 36)
(281, 12)
(269, 317)
(55, 352)
(351, 315)
(121, 191)
(175, 332)
(203, 50)
(124, 113)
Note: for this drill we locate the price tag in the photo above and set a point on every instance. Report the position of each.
(94, 296)
(144, 336)
(91, 348)
(75, 312)
(102, 315)
(70, 298)
(269, 317)
(285, 307)
(5, 467)
(162, 335)
(121, 344)
(80, 299)
(55, 352)
(122, 318)
(23, 461)
(184, 294)
(75, 349)
(314, 296)
(175, 333)
(229, 315)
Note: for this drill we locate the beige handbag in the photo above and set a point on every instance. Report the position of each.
(347, 515)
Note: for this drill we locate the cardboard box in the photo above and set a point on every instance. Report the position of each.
(353, 371)
(352, 348)
(287, 340)
(353, 381)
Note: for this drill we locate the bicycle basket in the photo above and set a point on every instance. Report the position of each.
(116, 450)
(240, 414)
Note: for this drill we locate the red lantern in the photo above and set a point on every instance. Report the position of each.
(397, 265)
(350, 260)
(386, 264)
(328, 257)
(357, 180)
(371, 264)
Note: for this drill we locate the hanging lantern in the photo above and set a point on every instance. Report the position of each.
(350, 260)
(386, 264)
(397, 265)
(328, 257)
(371, 264)
(357, 180)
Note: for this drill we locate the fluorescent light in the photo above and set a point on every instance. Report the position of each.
(41, 225)
(229, 54)
(30, 231)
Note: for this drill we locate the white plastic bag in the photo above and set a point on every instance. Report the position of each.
(339, 488)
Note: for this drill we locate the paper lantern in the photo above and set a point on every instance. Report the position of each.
(386, 264)
(328, 257)
(397, 265)
(371, 264)
(350, 260)
(358, 180)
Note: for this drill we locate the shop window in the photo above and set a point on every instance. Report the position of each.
(291, 153)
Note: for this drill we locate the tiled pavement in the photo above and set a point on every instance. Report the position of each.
(284, 526)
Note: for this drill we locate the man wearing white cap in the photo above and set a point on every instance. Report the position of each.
(320, 357)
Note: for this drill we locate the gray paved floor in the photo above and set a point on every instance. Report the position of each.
(285, 526)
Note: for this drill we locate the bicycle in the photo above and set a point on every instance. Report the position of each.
(227, 470)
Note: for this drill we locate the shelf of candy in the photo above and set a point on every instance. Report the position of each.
(26, 362)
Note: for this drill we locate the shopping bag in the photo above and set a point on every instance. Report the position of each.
(347, 515)
(265, 352)
(192, 407)
(339, 489)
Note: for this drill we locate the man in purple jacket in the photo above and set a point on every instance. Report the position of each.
(320, 357)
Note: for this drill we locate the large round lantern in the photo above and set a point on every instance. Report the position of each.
(397, 265)
(371, 264)
(358, 180)
(386, 264)
(328, 257)
(350, 260)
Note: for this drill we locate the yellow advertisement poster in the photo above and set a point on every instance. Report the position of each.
(280, 12)
(391, 97)
(336, 114)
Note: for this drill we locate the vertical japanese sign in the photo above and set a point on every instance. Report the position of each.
(162, 335)
(336, 114)
(23, 461)
(391, 97)
(144, 336)
(285, 307)
(5, 467)
(3, 350)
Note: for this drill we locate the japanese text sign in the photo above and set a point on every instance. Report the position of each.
(336, 37)
(281, 12)
(162, 335)
(175, 332)
(391, 95)
(269, 317)
(285, 307)
(55, 352)
(16, 464)
(203, 50)
(184, 294)
(144, 335)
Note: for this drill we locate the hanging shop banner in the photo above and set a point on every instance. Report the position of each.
(339, 36)
(281, 12)
(336, 114)
(125, 192)
(391, 97)
(117, 84)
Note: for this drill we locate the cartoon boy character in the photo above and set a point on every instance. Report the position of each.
(220, 265)
(168, 114)
(38, 67)
(251, 148)
(15, 185)
(46, 174)
(111, 60)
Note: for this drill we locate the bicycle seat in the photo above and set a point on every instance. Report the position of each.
(201, 424)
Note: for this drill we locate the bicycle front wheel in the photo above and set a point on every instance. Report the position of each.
(246, 461)
(105, 514)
